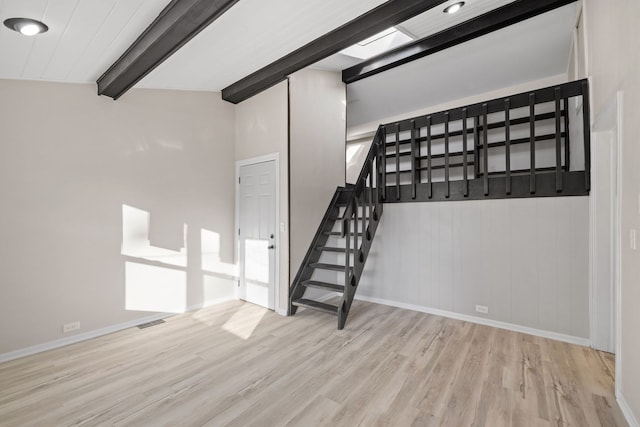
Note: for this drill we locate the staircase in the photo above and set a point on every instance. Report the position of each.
(512, 147)
(345, 236)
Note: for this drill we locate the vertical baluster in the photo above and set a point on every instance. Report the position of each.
(532, 142)
(356, 214)
(567, 144)
(464, 153)
(413, 159)
(383, 164)
(429, 183)
(507, 144)
(446, 154)
(558, 143)
(586, 120)
(485, 149)
(476, 147)
(377, 179)
(370, 191)
(398, 161)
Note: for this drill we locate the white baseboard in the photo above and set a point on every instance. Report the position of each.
(281, 311)
(479, 320)
(626, 411)
(39, 348)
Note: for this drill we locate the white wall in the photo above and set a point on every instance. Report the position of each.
(69, 162)
(527, 260)
(317, 150)
(613, 64)
(369, 129)
(261, 127)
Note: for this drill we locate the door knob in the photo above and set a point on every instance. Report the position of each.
(271, 247)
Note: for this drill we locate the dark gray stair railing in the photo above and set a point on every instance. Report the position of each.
(481, 128)
(359, 232)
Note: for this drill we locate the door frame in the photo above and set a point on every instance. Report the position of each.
(248, 162)
(608, 125)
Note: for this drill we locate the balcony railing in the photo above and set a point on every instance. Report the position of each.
(525, 145)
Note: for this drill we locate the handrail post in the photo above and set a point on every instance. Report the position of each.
(429, 181)
(485, 149)
(397, 161)
(507, 144)
(413, 159)
(446, 155)
(464, 153)
(383, 164)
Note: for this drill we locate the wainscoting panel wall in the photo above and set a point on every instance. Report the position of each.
(526, 260)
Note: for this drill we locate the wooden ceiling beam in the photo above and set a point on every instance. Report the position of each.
(496, 19)
(178, 23)
(386, 15)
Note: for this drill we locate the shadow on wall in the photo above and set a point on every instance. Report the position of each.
(158, 279)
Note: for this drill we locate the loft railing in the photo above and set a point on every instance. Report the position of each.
(517, 146)
(360, 221)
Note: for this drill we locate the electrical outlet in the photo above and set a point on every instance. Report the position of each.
(482, 309)
(632, 239)
(68, 327)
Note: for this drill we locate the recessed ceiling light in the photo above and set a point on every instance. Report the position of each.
(26, 26)
(454, 7)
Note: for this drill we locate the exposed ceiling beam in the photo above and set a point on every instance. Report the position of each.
(378, 19)
(502, 17)
(178, 23)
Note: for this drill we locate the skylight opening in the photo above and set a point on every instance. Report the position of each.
(379, 43)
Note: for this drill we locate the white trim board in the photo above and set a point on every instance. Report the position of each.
(626, 411)
(251, 161)
(85, 336)
(487, 322)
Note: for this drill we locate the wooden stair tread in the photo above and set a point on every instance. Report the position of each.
(323, 285)
(315, 305)
(332, 249)
(336, 233)
(323, 266)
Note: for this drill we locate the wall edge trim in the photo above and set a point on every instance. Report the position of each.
(585, 342)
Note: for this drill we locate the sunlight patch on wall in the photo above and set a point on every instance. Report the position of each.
(136, 243)
(210, 251)
(152, 288)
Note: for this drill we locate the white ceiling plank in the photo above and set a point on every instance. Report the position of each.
(126, 22)
(82, 27)
(435, 20)
(249, 36)
(14, 46)
(56, 17)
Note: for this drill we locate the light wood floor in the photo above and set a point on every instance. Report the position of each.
(239, 365)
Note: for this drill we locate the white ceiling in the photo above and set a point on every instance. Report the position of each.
(85, 37)
(423, 25)
(531, 50)
(249, 36)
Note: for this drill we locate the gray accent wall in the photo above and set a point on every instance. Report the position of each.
(527, 260)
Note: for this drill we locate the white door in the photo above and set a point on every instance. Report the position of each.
(257, 194)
